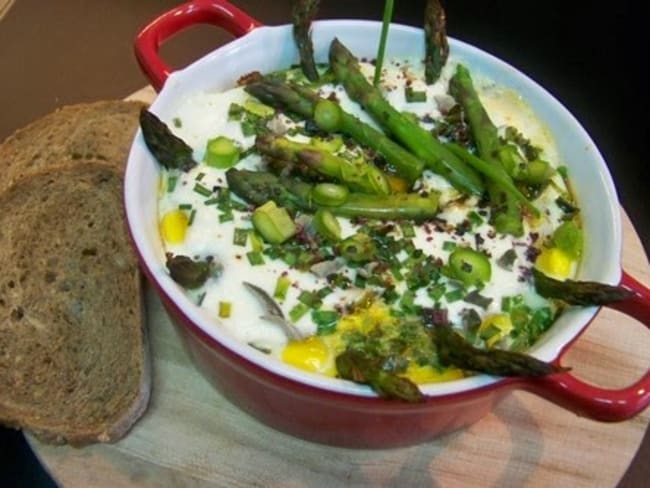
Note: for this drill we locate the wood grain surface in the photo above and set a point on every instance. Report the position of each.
(193, 437)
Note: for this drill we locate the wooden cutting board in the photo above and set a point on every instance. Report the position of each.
(192, 437)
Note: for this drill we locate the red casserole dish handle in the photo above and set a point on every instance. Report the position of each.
(216, 12)
(598, 403)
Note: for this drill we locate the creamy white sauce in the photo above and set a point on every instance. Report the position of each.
(203, 116)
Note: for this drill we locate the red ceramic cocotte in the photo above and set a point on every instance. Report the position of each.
(330, 410)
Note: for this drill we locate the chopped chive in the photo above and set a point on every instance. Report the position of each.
(291, 258)
(407, 230)
(226, 217)
(413, 96)
(323, 292)
(257, 244)
(360, 281)
(200, 176)
(396, 271)
(255, 258)
(200, 298)
(225, 309)
(281, 288)
(325, 321)
(235, 111)
(202, 190)
(408, 300)
(248, 128)
(192, 215)
(178, 123)
(185, 206)
(436, 292)
(240, 237)
(235, 205)
(211, 201)
(474, 218)
(454, 295)
(449, 245)
(297, 312)
(309, 298)
(171, 183)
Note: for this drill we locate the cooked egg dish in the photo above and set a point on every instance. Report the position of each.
(360, 254)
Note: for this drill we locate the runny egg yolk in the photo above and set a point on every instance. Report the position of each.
(173, 226)
(312, 354)
(554, 262)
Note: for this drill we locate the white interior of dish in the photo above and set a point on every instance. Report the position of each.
(270, 48)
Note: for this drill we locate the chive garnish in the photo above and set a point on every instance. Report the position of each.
(448, 246)
(225, 309)
(255, 258)
(202, 190)
(171, 183)
(281, 288)
(413, 96)
(185, 206)
(192, 215)
(226, 217)
(240, 237)
(407, 230)
(388, 14)
(454, 295)
(298, 311)
(325, 321)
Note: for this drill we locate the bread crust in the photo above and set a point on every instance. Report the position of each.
(75, 364)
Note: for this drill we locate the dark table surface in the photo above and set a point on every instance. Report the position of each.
(594, 59)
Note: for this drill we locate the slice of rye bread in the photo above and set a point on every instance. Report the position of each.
(74, 360)
(101, 131)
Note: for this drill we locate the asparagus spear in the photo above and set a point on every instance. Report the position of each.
(435, 37)
(419, 141)
(506, 212)
(583, 293)
(259, 187)
(303, 14)
(170, 151)
(304, 101)
(355, 366)
(357, 175)
(494, 174)
(454, 350)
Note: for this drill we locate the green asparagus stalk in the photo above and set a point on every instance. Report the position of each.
(493, 174)
(303, 14)
(454, 350)
(435, 36)
(506, 211)
(170, 151)
(582, 293)
(419, 141)
(258, 187)
(303, 101)
(354, 366)
(357, 174)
